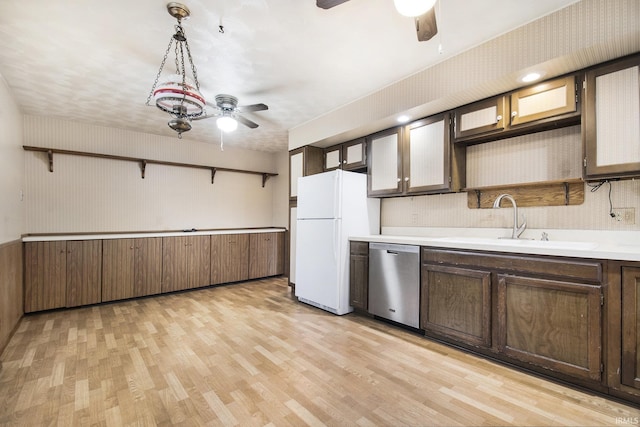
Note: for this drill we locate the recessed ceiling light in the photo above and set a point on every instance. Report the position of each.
(530, 77)
(403, 119)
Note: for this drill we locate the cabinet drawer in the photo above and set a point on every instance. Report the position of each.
(543, 266)
(359, 248)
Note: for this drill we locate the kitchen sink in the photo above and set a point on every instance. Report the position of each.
(552, 244)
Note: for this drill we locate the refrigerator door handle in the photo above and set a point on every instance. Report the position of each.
(337, 196)
(336, 239)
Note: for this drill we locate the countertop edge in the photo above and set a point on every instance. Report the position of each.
(108, 236)
(603, 251)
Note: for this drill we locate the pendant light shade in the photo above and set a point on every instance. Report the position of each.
(227, 123)
(413, 8)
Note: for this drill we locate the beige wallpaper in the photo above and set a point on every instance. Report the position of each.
(86, 194)
(543, 156)
(11, 167)
(583, 34)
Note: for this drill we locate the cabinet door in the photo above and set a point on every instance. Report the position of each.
(427, 155)
(480, 119)
(385, 163)
(229, 258)
(354, 154)
(147, 278)
(45, 275)
(611, 120)
(296, 169)
(117, 269)
(359, 275)
(266, 254)
(302, 162)
(543, 101)
(174, 263)
(456, 303)
(293, 232)
(198, 261)
(552, 324)
(630, 370)
(84, 272)
(333, 158)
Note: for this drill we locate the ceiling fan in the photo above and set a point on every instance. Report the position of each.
(229, 113)
(426, 26)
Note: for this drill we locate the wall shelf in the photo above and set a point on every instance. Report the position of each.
(547, 193)
(144, 162)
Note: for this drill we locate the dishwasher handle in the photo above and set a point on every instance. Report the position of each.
(394, 249)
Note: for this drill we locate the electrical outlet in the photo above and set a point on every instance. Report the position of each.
(625, 215)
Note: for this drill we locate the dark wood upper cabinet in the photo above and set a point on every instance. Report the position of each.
(535, 108)
(480, 118)
(611, 120)
(415, 159)
(303, 161)
(350, 155)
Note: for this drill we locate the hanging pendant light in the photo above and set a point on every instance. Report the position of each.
(413, 8)
(178, 94)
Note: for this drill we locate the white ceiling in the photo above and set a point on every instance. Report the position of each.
(95, 62)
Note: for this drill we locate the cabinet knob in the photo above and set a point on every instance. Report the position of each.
(514, 113)
(399, 179)
(131, 247)
(498, 118)
(406, 179)
(344, 162)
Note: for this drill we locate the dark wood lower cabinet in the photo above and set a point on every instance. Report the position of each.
(229, 258)
(359, 275)
(630, 364)
(266, 254)
(45, 275)
(456, 303)
(131, 268)
(552, 324)
(540, 312)
(186, 262)
(84, 271)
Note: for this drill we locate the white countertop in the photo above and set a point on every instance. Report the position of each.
(49, 238)
(596, 244)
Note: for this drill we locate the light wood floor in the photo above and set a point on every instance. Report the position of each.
(248, 354)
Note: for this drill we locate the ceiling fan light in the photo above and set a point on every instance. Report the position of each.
(413, 8)
(227, 124)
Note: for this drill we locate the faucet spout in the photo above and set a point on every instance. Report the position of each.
(517, 229)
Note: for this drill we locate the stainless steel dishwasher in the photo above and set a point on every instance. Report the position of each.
(394, 282)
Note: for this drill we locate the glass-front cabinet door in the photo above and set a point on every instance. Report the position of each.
(385, 163)
(426, 162)
(611, 120)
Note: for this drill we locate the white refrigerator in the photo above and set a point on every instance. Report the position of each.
(331, 207)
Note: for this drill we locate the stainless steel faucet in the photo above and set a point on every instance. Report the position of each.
(517, 230)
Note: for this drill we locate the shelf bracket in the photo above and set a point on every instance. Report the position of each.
(566, 193)
(50, 156)
(213, 173)
(143, 167)
(265, 177)
(478, 197)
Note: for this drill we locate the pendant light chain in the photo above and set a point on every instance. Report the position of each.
(155, 82)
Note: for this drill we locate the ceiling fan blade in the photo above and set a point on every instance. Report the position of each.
(252, 107)
(426, 26)
(246, 122)
(328, 4)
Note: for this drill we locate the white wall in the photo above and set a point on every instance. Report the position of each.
(85, 194)
(11, 167)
